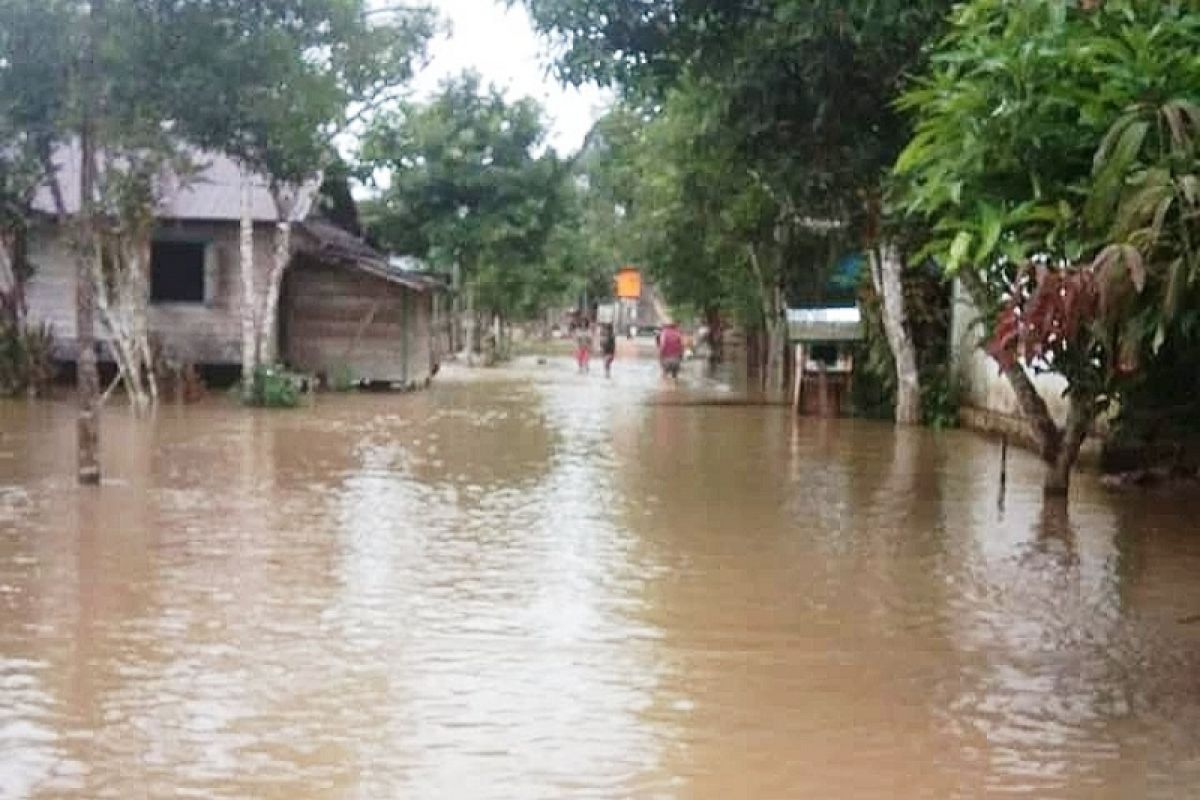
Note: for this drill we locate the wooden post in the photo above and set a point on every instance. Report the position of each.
(405, 325)
(1003, 469)
(823, 392)
(849, 382)
(798, 378)
(87, 376)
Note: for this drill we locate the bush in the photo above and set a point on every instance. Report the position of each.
(26, 358)
(341, 379)
(276, 387)
(939, 399)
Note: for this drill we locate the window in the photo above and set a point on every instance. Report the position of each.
(177, 272)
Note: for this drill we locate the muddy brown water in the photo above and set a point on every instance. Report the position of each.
(530, 584)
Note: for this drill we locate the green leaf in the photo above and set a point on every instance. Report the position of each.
(991, 226)
(914, 153)
(958, 251)
(1176, 282)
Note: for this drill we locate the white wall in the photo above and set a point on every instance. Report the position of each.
(207, 333)
(981, 386)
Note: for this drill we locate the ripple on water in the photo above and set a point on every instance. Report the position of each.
(564, 587)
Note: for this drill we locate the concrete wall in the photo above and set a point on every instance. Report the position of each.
(202, 333)
(338, 319)
(988, 400)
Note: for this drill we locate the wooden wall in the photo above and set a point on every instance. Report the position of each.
(340, 319)
(203, 333)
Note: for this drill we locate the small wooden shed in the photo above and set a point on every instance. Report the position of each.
(349, 313)
(822, 340)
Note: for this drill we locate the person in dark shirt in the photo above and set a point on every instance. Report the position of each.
(608, 346)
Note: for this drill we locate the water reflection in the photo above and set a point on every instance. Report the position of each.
(544, 585)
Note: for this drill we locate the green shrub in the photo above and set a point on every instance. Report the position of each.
(939, 399)
(276, 387)
(342, 379)
(26, 358)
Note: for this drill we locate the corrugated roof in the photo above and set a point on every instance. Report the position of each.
(213, 194)
(327, 242)
(824, 324)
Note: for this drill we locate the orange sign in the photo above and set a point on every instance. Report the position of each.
(629, 283)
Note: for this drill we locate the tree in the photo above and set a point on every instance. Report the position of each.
(1054, 155)
(468, 190)
(32, 103)
(714, 233)
(130, 84)
(606, 179)
(291, 77)
(798, 91)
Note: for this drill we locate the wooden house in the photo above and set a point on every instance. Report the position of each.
(343, 308)
(349, 312)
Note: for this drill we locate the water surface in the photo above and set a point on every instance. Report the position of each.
(531, 584)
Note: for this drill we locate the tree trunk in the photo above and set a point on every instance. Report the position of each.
(138, 298)
(268, 337)
(469, 325)
(121, 298)
(774, 376)
(87, 373)
(887, 275)
(1080, 413)
(456, 309)
(770, 296)
(1046, 434)
(249, 300)
(715, 336)
(1058, 448)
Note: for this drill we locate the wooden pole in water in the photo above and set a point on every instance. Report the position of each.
(798, 378)
(1003, 467)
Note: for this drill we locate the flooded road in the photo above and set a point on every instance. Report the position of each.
(529, 584)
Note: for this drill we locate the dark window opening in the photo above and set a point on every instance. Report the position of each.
(177, 272)
(824, 353)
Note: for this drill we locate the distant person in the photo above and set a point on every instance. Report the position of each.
(583, 348)
(608, 346)
(670, 350)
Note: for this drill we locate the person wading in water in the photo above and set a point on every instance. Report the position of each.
(583, 348)
(670, 350)
(608, 346)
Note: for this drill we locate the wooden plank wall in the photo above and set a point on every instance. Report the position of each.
(342, 319)
(202, 333)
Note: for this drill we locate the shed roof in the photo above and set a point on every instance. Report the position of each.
(326, 242)
(212, 194)
(824, 324)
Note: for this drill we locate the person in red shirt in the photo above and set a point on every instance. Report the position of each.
(583, 348)
(670, 350)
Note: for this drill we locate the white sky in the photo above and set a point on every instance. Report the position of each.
(501, 45)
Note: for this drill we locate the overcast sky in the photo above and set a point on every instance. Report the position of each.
(503, 47)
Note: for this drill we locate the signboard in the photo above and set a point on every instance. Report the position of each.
(606, 313)
(629, 283)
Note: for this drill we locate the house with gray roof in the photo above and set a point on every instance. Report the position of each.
(345, 309)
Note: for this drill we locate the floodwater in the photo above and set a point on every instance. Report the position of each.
(531, 584)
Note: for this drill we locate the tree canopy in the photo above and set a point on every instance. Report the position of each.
(1066, 137)
(1055, 158)
(467, 180)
